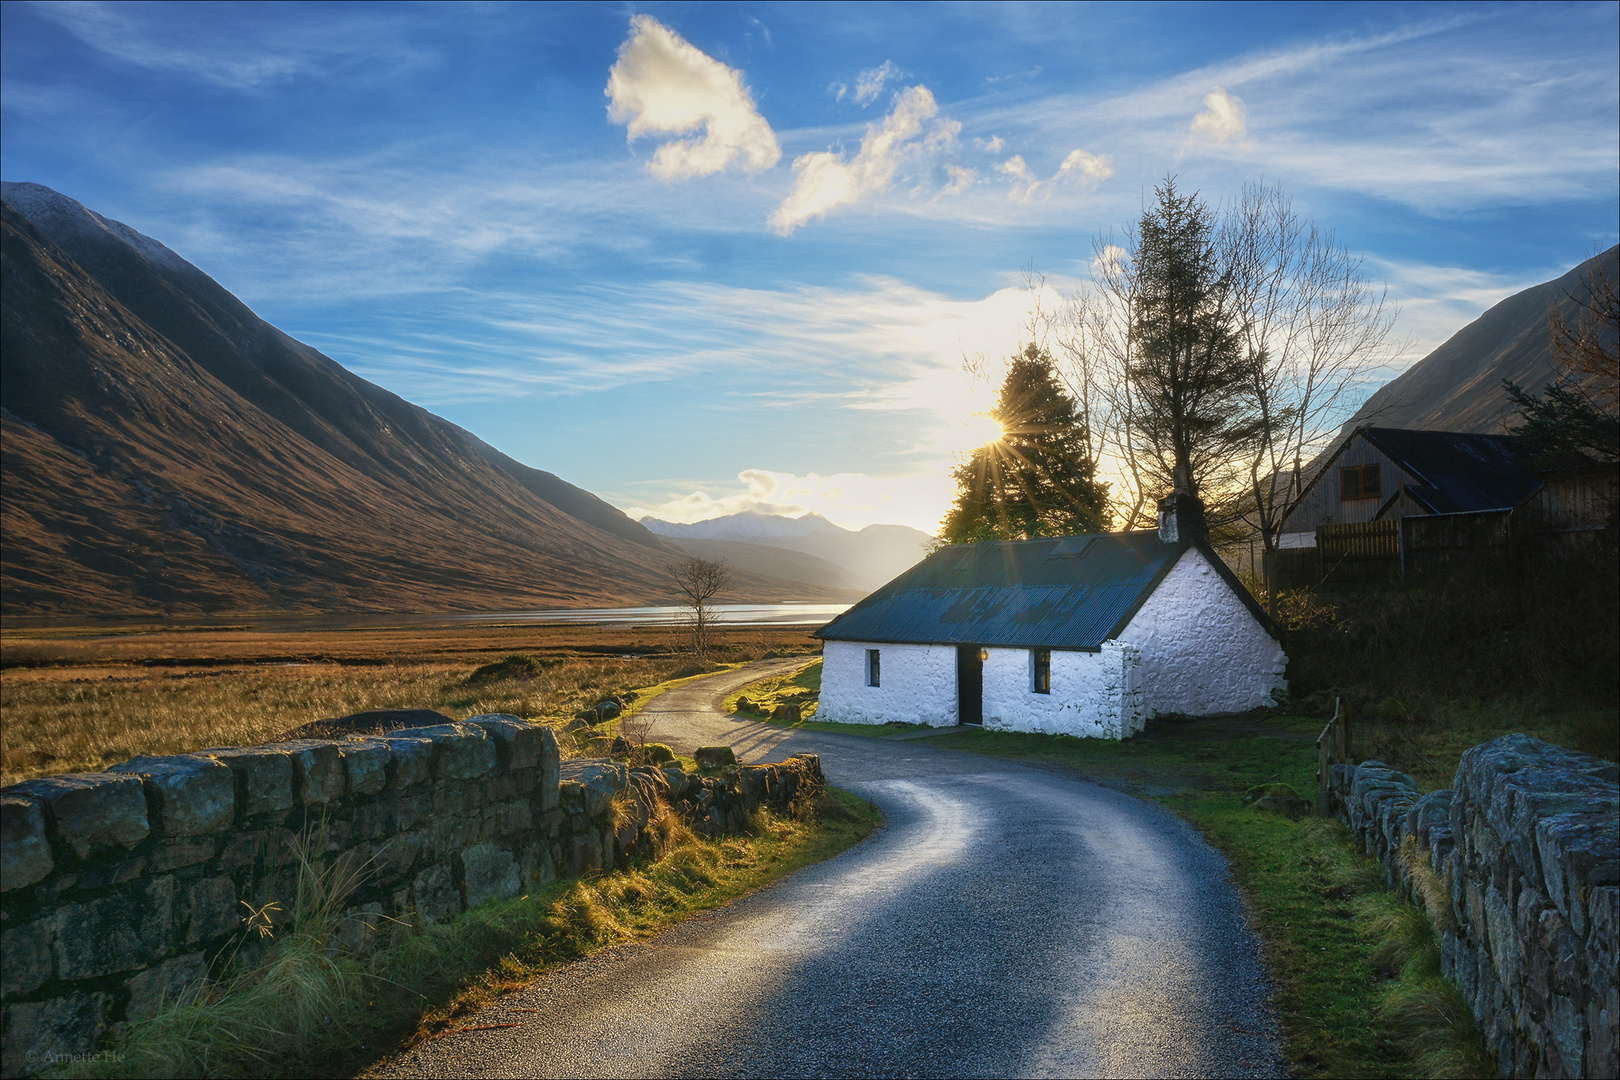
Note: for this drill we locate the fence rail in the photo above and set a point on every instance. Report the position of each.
(1332, 748)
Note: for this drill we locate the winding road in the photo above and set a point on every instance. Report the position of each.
(1006, 922)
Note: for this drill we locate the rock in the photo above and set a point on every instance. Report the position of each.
(745, 704)
(165, 982)
(193, 794)
(112, 934)
(92, 812)
(365, 764)
(490, 873)
(788, 713)
(1291, 807)
(372, 722)
(264, 776)
(25, 853)
(608, 708)
(714, 757)
(38, 1031)
(413, 759)
(25, 952)
(591, 785)
(523, 744)
(462, 751)
(436, 896)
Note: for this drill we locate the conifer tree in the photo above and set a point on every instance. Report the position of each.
(1038, 478)
(1193, 378)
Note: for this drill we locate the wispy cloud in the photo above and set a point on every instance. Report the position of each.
(827, 180)
(869, 83)
(662, 85)
(1422, 115)
(216, 47)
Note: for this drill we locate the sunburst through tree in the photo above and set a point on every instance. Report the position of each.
(1038, 477)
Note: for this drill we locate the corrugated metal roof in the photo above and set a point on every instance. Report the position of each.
(1461, 472)
(1069, 593)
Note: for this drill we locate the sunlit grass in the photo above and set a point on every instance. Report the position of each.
(72, 718)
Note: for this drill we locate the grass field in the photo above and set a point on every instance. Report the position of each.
(80, 698)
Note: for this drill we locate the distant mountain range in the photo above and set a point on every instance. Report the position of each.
(166, 451)
(1458, 386)
(808, 548)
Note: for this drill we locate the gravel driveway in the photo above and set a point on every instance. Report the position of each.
(1005, 922)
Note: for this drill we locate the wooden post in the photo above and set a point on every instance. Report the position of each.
(1332, 748)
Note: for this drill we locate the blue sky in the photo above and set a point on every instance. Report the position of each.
(698, 257)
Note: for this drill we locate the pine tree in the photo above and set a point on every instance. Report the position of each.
(1039, 477)
(1193, 379)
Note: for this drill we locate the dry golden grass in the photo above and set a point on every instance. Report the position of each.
(77, 701)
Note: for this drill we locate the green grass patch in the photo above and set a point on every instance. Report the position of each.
(787, 699)
(305, 1008)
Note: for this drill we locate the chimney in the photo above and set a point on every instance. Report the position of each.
(1181, 514)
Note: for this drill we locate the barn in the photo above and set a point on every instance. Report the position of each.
(1082, 635)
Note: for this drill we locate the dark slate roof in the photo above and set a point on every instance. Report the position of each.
(1070, 593)
(1458, 472)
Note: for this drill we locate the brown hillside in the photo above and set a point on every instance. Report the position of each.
(1458, 386)
(166, 451)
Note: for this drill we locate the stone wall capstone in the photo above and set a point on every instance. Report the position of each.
(1526, 847)
(120, 887)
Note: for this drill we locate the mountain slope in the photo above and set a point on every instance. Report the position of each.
(165, 450)
(869, 558)
(1458, 386)
(777, 562)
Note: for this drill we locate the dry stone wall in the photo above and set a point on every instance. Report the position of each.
(1526, 847)
(119, 887)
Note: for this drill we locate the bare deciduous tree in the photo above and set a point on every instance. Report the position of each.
(1313, 334)
(1320, 332)
(700, 581)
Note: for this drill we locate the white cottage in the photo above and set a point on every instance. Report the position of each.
(1084, 635)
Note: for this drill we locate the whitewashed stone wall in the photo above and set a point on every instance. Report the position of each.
(918, 684)
(1095, 695)
(1202, 650)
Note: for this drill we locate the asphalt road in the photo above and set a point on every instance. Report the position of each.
(1006, 922)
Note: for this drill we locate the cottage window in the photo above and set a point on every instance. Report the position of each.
(1043, 670)
(1360, 482)
(872, 671)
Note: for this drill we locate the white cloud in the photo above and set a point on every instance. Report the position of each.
(1024, 181)
(1224, 119)
(1110, 259)
(663, 85)
(1086, 170)
(824, 180)
(993, 145)
(1080, 169)
(961, 179)
(869, 83)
